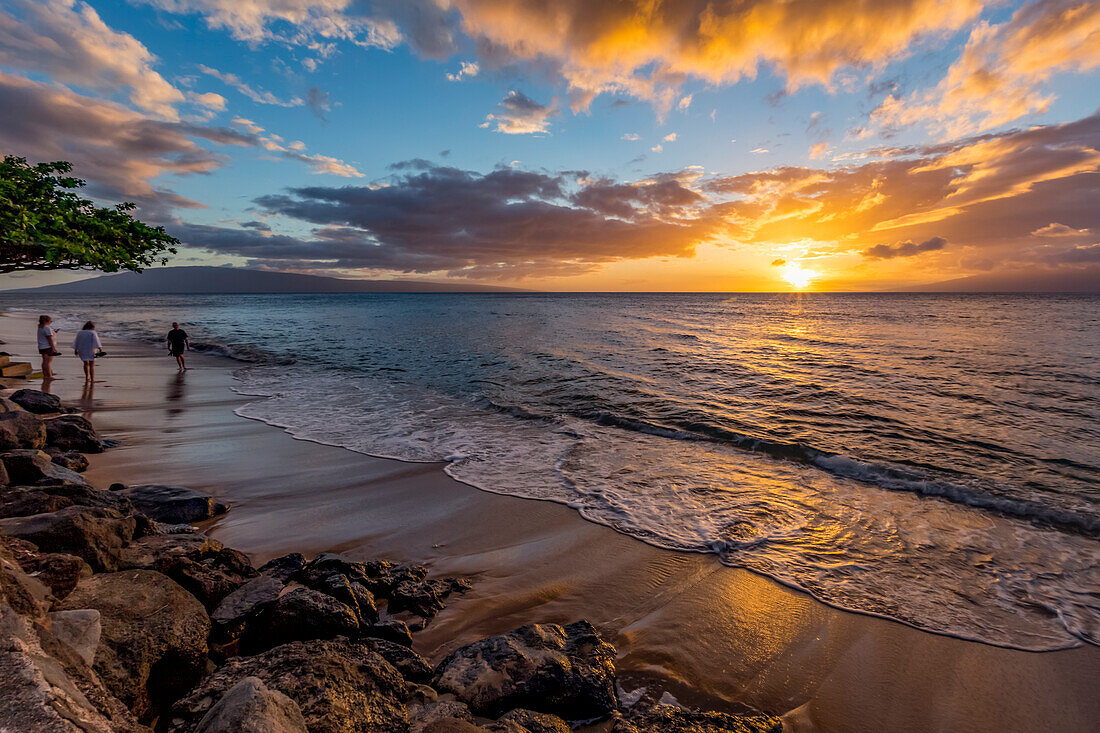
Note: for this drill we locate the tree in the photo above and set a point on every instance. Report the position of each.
(45, 225)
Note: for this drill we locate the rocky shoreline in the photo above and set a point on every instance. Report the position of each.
(117, 614)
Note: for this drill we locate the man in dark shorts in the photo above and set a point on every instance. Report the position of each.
(177, 343)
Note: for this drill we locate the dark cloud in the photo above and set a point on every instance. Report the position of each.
(779, 262)
(118, 150)
(257, 225)
(507, 223)
(320, 102)
(518, 114)
(904, 249)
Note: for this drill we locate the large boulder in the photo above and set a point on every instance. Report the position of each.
(567, 671)
(45, 684)
(21, 429)
(672, 719)
(338, 685)
(250, 706)
(153, 641)
(30, 466)
(95, 534)
(33, 400)
(23, 501)
(173, 504)
(73, 432)
(297, 615)
(144, 553)
(285, 567)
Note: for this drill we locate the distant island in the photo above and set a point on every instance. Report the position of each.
(1085, 280)
(200, 280)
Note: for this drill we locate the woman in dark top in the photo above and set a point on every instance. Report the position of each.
(177, 343)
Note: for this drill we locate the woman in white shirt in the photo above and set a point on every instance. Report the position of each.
(86, 345)
(47, 345)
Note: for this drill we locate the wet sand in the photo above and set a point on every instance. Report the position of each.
(718, 631)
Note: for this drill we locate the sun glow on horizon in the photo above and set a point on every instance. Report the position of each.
(799, 277)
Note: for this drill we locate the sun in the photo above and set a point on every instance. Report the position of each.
(798, 276)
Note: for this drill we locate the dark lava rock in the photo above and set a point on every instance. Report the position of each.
(33, 400)
(60, 572)
(339, 687)
(445, 716)
(73, 432)
(250, 706)
(172, 504)
(284, 567)
(29, 466)
(205, 567)
(352, 594)
(71, 459)
(566, 671)
(671, 719)
(235, 609)
(411, 665)
(391, 630)
(95, 534)
(406, 587)
(298, 615)
(21, 429)
(534, 722)
(153, 640)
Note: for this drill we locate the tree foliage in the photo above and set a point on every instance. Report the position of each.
(46, 225)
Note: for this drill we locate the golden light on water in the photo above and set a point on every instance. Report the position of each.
(799, 277)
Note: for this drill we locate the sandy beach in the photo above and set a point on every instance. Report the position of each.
(728, 635)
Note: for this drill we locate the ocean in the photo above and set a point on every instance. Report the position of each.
(934, 459)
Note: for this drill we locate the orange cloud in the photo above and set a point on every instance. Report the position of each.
(999, 76)
(647, 49)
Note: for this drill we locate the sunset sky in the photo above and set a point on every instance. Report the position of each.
(578, 144)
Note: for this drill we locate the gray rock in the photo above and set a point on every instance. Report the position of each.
(80, 629)
(534, 722)
(339, 686)
(172, 504)
(95, 534)
(298, 615)
(390, 630)
(21, 429)
(352, 594)
(153, 642)
(251, 707)
(567, 671)
(29, 466)
(73, 432)
(33, 400)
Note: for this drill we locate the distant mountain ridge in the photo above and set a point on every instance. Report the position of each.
(1084, 280)
(210, 280)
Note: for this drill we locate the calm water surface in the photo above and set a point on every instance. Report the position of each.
(932, 458)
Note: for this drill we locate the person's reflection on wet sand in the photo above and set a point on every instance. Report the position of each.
(87, 394)
(176, 392)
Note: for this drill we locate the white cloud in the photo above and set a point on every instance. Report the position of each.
(518, 114)
(468, 69)
(260, 97)
(670, 137)
(631, 136)
(70, 42)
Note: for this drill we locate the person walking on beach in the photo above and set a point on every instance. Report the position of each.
(177, 343)
(47, 346)
(87, 347)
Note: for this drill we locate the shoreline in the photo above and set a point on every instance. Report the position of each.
(730, 634)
